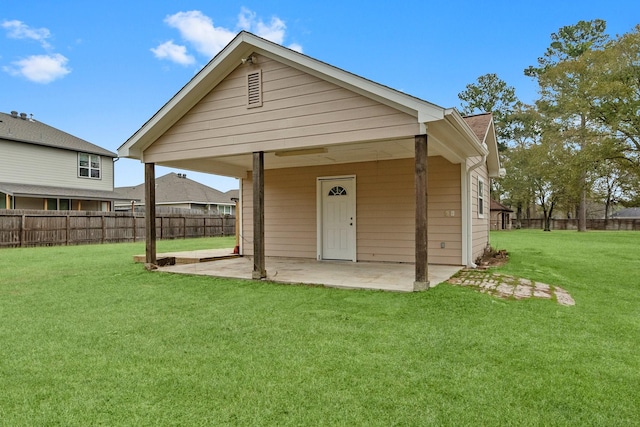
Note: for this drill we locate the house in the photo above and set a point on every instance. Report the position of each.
(627, 213)
(500, 216)
(332, 166)
(175, 190)
(45, 168)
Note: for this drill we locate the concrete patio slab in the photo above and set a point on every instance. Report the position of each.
(340, 274)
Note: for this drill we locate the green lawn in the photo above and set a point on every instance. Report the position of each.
(89, 338)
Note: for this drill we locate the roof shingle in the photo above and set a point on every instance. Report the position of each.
(28, 130)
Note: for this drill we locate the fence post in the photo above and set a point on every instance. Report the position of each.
(133, 215)
(68, 227)
(103, 228)
(22, 230)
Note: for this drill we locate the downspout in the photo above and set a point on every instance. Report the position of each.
(467, 205)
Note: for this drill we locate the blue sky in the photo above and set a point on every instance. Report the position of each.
(100, 70)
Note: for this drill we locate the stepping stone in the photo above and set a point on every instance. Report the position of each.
(541, 294)
(522, 291)
(563, 297)
(505, 290)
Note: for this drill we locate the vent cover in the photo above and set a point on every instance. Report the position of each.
(254, 89)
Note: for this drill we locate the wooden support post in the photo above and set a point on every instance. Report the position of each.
(422, 268)
(135, 231)
(68, 227)
(150, 213)
(259, 270)
(236, 250)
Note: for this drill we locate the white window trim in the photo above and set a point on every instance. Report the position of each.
(481, 197)
(89, 167)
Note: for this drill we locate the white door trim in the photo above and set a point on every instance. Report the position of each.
(319, 214)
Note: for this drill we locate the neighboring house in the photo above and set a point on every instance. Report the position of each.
(500, 216)
(332, 166)
(178, 191)
(627, 213)
(47, 169)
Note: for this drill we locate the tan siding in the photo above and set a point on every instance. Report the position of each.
(299, 110)
(38, 165)
(480, 225)
(385, 209)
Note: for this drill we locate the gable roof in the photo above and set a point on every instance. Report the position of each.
(177, 188)
(497, 206)
(246, 44)
(484, 129)
(19, 128)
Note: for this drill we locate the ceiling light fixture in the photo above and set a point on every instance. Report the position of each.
(301, 152)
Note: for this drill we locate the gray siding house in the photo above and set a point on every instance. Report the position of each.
(44, 168)
(175, 190)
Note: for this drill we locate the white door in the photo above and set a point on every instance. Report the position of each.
(338, 225)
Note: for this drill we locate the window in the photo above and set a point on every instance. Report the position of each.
(480, 198)
(254, 89)
(338, 191)
(88, 166)
(225, 209)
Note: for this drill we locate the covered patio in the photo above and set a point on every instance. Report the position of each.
(385, 276)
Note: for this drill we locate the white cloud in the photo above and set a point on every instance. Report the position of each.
(273, 31)
(296, 47)
(198, 31)
(40, 68)
(19, 30)
(173, 52)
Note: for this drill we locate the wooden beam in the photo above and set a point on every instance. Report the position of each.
(150, 214)
(259, 270)
(422, 267)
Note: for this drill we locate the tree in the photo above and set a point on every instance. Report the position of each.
(491, 94)
(615, 73)
(517, 185)
(566, 98)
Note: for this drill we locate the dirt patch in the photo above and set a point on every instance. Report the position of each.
(492, 258)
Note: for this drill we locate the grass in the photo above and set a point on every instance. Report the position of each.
(87, 337)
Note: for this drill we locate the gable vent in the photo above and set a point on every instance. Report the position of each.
(254, 89)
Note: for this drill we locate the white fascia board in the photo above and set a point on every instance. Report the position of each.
(461, 126)
(184, 99)
(229, 58)
(423, 111)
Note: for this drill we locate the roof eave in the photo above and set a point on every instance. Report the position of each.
(478, 148)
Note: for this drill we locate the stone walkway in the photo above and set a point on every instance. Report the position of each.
(504, 286)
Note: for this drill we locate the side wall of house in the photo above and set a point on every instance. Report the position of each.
(480, 221)
(385, 211)
(23, 163)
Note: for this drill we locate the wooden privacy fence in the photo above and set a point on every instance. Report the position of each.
(572, 224)
(21, 228)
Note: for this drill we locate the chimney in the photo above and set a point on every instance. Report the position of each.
(14, 114)
(23, 116)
